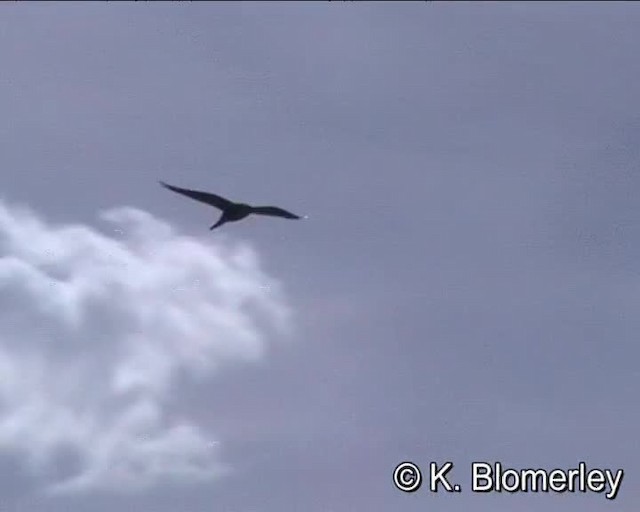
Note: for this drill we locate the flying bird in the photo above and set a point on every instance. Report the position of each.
(231, 211)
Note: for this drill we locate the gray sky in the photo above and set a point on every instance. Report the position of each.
(463, 290)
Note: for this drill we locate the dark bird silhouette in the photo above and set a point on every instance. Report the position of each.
(231, 211)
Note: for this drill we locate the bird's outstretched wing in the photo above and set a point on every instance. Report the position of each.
(274, 211)
(204, 197)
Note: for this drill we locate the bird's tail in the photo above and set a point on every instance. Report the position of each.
(220, 222)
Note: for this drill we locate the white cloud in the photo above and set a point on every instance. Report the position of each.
(94, 329)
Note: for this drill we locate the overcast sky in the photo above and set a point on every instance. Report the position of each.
(465, 288)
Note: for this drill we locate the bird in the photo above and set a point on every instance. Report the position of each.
(231, 211)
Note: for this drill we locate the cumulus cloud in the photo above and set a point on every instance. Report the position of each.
(95, 329)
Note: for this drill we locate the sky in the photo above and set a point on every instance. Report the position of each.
(465, 287)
